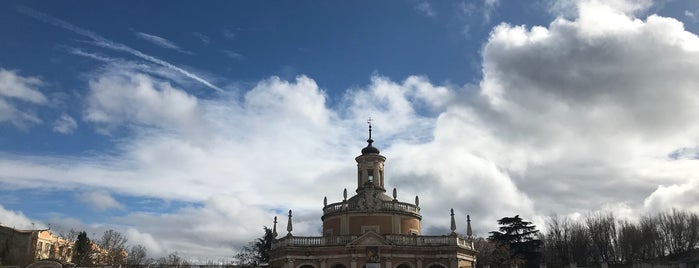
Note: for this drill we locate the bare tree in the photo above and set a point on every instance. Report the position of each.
(630, 247)
(489, 253)
(137, 255)
(557, 240)
(115, 245)
(172, 260)
(678, 231)
(602, 231)
(579, 245)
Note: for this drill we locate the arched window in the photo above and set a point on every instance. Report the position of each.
(338, 265)
(404, 265)
(436, 265)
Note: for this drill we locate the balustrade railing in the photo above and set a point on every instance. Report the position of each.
(383, 206)
(398, 240)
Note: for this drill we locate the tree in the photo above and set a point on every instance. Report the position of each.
(256, 254)
(115, 245)
(172, 260)
(521, 238)
(603, 235)
(137, 255)
(491, 254)
(82, 256)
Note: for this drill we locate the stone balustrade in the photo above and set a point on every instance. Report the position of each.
(387, 206)
(394, 239)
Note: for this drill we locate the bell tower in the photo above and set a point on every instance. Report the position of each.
(370, 167)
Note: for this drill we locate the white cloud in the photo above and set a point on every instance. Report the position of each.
(16, 219)
(15, 89)
(126, 97)
(65, 124)
(162, 42)
(575, 116)
(99, 200)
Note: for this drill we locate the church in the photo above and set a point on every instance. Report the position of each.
(372, 230)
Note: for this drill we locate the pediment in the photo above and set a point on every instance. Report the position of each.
(370, 238)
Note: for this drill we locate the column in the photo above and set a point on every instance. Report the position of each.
(389, 264)
(353, 263)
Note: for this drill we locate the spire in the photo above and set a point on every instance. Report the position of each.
(453, 222)
(274, 229)
(288, 225)
(369, 149)
(469, 232)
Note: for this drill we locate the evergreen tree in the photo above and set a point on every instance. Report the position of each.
(257, 253)
(83, 250)
(521, 239)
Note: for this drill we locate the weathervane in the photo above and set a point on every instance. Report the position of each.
(369, 122)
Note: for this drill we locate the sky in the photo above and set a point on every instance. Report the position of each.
(188, 126)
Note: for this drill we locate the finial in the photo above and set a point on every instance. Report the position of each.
(344, 194)
(395, 194)
(288, 225)
(325, 201)
(369, 122)
(274, 229)
(453, 222)
(469, 232)
(417, 201)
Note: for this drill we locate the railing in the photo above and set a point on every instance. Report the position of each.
(394, 239)
(383, 206)
(312, 241)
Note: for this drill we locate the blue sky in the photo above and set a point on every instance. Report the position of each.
(216, 117)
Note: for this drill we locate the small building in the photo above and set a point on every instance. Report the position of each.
(23, 247)
(372, 230)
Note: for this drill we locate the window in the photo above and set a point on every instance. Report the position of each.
(367, 228)
(370, 175)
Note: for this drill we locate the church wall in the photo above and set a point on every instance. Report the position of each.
(332, 224)
(383, 222)
(408, 224)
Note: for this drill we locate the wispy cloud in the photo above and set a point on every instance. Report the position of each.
(162, 42)
(65, 124)
(426, 9)
(202, 37)
(691, 15)
(99, 200)
(489, 7)
(106, 43)
(232, 54)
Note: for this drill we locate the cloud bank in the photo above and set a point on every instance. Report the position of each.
(582, 114)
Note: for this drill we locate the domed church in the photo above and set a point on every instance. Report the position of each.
(372, 230)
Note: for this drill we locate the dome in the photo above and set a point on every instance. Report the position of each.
(370, 149)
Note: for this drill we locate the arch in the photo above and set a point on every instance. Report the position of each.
(436, 265)
(306, 265)
(405, 265)
(338, 265)
(45, 264)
